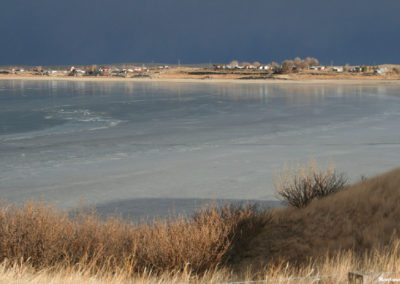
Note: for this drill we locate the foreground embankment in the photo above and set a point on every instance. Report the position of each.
(354, 229)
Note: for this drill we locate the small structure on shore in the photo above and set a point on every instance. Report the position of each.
(380, 70)
(317, 68)
(337, 68)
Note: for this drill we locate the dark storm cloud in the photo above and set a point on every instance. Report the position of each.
(100, 31)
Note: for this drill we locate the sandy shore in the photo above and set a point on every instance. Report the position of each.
(277, 80)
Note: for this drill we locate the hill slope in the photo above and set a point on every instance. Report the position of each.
(363, 216)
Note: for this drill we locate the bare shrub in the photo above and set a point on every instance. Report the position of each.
(300, 185)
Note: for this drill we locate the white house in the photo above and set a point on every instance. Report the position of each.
(337, 68)
(319, 67)
(264, 67)
(380, 70)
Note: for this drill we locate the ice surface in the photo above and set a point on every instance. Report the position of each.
(141, 147)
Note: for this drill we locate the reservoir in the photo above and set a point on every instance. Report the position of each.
(149, 148)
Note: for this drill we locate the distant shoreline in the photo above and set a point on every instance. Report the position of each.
(277, 80)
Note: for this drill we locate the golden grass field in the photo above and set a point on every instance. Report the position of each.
(356, 229)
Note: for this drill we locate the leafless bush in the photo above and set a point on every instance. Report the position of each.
(300, 185)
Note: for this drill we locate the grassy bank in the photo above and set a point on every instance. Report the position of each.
(354, 229)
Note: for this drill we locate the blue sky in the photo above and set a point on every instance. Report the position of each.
(52, 32)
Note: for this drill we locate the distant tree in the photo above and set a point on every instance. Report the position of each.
(396, 70)
(91, 70)
(312, 61)
(256, 64)
(304, 65)
(234, 63)
(300, 64)
(245, 64)
(273, 64)
(297, 62)
(287, 66)
(346, 68)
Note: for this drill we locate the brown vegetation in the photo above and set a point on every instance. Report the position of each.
(329, 269)
(44, 237)
(356, 228)
(360, 218)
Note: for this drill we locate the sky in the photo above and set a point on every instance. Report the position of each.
(56, 32)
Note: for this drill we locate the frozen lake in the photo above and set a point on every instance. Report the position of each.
(146, 148)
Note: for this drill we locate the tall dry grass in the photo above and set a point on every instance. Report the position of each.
(375, 265)
(43, 237)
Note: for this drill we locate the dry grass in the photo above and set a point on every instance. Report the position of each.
(299, 185)
(383, 263)
(361, 217)
(45, 237)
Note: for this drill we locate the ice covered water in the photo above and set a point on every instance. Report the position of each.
(145, 148)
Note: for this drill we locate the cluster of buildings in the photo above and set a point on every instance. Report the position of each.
(275, 67)
(245, 66)
(80, 71)
(142, 70)
(351, 69)
(105, 70)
